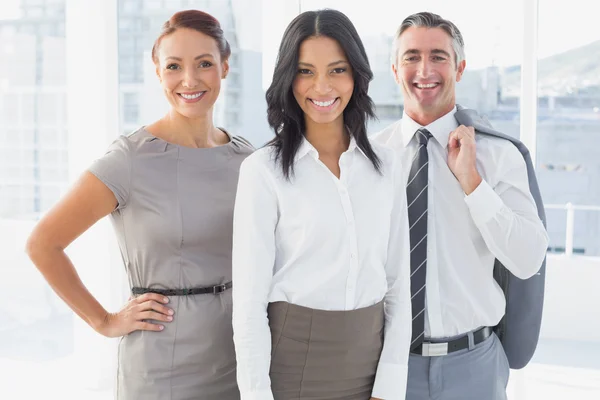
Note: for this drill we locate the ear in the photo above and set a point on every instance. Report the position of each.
(460, 70)
(157, 70)
(225, 69)
(395, 73)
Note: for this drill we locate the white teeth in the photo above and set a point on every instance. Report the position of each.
(426, 86)
(191, 96)
(323, 103)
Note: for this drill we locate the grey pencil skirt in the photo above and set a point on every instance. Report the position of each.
(324, 355)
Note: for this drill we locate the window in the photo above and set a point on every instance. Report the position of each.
(48, 114)
(130, 6)
(389, 111)
(32, 63)
(568, 135)
(130, 108)
(35, 12)
(153, 4)
(9, 108)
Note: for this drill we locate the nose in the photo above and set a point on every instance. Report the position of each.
(322, 84)
(189, 78)
(424, 68)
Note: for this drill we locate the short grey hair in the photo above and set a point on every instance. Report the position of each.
(431, 20)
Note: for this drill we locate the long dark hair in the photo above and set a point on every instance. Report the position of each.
(285, 115)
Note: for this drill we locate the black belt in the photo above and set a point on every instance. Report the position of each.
(184, 292)
(429, 349)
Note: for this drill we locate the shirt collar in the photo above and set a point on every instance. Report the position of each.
(440, 128)
(354, 146)
(304, 149)
(307, 148)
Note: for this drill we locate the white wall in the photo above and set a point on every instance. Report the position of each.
(572, 302)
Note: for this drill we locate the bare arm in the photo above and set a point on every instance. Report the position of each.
(88, 201)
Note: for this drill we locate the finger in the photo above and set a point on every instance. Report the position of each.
(147, 326)
(152, 296)
(453, 140)
(452, 143)
(153, 305)
(153, 315)
(463, 135)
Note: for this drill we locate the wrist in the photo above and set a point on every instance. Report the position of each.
(100, 322)
(470, 182)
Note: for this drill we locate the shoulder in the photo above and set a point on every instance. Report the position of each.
(386, 154)
(263, 158)
(487, 137)
(242, 145)
(260, 168)
(384, 135)
(131, 143)
(390, 161)
(121, 147)
(137, 136)
(497, 150)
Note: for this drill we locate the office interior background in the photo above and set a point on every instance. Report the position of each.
(74, 74)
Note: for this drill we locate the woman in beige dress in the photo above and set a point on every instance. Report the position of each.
(169, 188)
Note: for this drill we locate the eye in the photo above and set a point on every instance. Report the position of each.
(304, 71)
(340, 70)
(439, 58)
(410, 59)
(172, 66)
(205, 64)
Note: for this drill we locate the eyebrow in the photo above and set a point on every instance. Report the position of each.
(197, 57)
(329, 65)
(434, 51)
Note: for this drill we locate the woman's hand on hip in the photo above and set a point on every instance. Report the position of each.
(135, 314)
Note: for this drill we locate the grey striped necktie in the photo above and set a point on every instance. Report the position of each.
(416, 197)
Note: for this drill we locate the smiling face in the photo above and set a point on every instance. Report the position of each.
(190, 70)
(426, 71)
(324, 84)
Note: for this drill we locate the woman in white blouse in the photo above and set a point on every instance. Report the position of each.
(321, 301)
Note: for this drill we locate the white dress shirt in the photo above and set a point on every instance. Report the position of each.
(465, 234)
(320, 242)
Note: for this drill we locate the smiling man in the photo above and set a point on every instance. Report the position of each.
(469, 203)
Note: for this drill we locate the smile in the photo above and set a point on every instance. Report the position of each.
(324, 105)
(425, 85)
(191, 97)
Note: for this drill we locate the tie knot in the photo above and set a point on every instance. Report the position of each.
(423, 136)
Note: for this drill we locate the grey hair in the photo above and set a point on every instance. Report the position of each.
(431, 20)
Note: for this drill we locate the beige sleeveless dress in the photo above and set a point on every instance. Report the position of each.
(174, 229)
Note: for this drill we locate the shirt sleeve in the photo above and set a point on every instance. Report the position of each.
(254, 222)
(392, 370)
(114, 170)
(507, 217)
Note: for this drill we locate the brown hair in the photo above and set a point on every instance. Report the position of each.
(198, 21)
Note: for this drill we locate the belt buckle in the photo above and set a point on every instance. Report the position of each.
(219, 289)
(434, 349)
